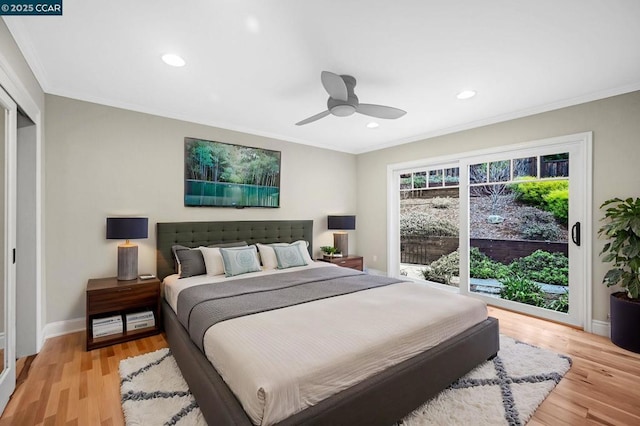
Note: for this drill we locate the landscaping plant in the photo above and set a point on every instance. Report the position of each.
(561, 304)
(423, 224)
(482, 266)
(540, 225)
(543, 267)
(552, 196)
(522, 290)
(443, 269)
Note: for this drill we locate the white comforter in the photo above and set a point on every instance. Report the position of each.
(280, 362)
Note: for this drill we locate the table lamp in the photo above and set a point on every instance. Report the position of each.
(341, 239)
(127, 228)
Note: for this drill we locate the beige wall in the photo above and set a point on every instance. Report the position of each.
(104, 161)
(615, 123)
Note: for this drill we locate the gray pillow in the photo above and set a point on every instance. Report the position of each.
(289, 256)
(177, 247)
(240, 260)
(190, 261)
(227, 245)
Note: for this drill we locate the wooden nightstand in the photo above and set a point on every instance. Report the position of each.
(107, 297)
(353, 262)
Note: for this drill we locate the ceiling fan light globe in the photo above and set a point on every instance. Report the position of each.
(343, 110)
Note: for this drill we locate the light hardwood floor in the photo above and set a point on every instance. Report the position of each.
(64, 385)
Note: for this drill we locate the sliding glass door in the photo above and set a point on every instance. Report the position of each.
(506, 226)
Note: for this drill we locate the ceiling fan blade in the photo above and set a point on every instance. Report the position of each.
(334, 85)
(313, 118)
(380, 111)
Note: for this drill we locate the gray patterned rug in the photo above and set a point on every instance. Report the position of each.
(504, 391)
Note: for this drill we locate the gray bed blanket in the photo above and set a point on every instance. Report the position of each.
(201, 306)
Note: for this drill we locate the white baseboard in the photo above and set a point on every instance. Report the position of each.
(2, 340)
(601, 328)
(58, 328)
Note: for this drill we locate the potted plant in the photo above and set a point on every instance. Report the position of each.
(328, 251)
(622, 229)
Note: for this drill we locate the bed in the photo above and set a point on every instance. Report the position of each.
(383, 398)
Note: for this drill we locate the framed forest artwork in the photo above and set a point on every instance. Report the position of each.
(218, 174)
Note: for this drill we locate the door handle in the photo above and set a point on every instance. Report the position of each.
(575, 234)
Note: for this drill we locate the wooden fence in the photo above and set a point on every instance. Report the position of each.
(424, 250)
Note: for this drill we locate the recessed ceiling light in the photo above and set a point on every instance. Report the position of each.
(372, 125)
(252, 24)
(173, 60)
(466, 94)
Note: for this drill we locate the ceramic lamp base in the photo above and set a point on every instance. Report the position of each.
(127, 262)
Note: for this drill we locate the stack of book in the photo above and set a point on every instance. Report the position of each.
(107, 326)
(140, 320)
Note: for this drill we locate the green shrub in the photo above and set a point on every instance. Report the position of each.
(451, 180)
(482, 266)
(443, 269)
(543, 267)
(523, 290)
(422, 224)
(435, 179)
(540, 225)
(541, 231)
(419, 181)
(552, 196)
(533, 192)
(443, 203)
(557, 202)
(561, 304)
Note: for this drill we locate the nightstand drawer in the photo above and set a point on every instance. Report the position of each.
(349, 263)
(353, 262)
(122, 298)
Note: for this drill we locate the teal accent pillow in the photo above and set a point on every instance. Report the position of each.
(289, 256)
(240, 260)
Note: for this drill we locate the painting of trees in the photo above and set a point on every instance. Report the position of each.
(223, 174)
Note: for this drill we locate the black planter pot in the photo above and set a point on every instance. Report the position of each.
(625, 318)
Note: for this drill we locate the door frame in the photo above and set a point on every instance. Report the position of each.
(585, 140)
(29, 102)
(8, 374)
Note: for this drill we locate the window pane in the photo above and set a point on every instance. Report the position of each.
(478, 173)
(452, 176)
(435, 178)
(556, 165)
(429, 235)
(500, 171)
(420, 180)
(405, 181)
(525, 167)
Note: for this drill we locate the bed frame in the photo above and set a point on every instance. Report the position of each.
(382, 399)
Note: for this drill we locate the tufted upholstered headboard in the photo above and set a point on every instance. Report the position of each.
(195, 234)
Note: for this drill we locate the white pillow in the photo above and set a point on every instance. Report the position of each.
(268, 255)
(212, 260)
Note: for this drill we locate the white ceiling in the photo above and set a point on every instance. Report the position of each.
(254, 65)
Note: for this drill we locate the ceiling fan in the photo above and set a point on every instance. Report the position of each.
(343, 102)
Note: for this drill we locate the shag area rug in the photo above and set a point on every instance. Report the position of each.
(503, 391)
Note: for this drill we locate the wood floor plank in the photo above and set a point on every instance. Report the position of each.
(65, 385)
